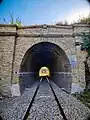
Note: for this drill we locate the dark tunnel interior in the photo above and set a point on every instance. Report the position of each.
(44, 54)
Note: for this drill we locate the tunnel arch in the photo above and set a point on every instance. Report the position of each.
(44, 54)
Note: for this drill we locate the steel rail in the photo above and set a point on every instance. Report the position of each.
(60, 108)
(30, 105)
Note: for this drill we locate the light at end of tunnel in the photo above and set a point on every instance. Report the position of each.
(44, 71)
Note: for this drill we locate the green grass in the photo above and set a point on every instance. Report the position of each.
(84, 97)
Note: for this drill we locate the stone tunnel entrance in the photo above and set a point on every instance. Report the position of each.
(49, 55)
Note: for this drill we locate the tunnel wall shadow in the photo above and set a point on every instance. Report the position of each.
(49, 55)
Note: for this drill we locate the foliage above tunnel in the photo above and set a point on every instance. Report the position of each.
(12, 20)
(84, 20)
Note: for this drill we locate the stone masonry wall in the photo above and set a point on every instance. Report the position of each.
(14, 42)
(6, 57)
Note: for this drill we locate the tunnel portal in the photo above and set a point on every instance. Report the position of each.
(49, 55)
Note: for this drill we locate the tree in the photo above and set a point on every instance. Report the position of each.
(85, 46)
(85, 20)
(86, 43)
(12, 21)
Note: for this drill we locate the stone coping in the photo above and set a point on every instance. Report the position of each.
(8, 25)
(45, 26)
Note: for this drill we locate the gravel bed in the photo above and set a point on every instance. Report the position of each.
(44, 106)
(14, 108)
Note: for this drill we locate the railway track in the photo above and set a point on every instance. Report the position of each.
(43, 89)
(33, 98)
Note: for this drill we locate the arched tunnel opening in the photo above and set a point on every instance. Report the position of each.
(49, 55)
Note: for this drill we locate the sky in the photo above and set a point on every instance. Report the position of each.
(44, 11)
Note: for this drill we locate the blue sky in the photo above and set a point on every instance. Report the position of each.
(44, 11)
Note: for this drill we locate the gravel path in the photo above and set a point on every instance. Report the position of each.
(44, 106)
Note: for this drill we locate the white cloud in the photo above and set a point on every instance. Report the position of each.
(76, 14)
(77, 11)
